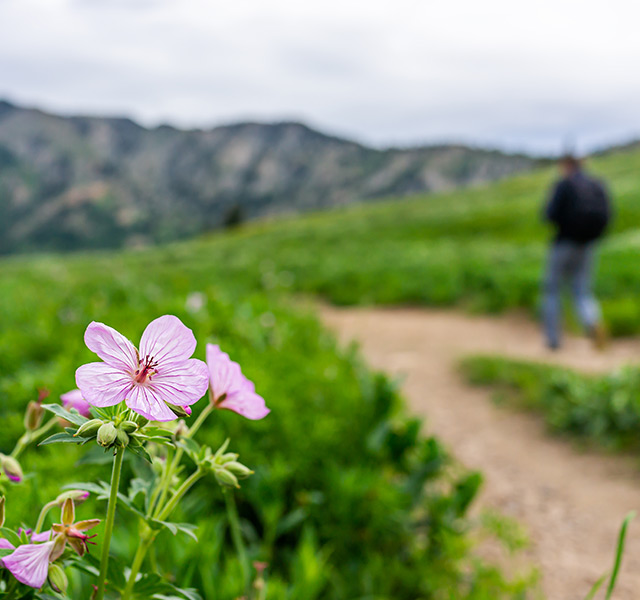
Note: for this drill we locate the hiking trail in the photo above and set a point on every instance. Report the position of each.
(571, 501)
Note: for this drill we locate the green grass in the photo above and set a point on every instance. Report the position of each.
(602, 411)
(482, 248)
(348, 500)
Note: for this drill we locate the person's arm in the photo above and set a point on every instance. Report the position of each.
(553, 208)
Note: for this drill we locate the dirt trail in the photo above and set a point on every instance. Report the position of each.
(572, 502)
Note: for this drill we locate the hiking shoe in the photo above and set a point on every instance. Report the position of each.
(599, 337)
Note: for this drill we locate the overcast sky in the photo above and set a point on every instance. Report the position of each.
(508, 73)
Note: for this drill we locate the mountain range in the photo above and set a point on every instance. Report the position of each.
(78, 182)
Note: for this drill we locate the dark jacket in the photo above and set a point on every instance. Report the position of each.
(566, 208)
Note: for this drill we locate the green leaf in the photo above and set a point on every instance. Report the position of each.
(62, 438)
(187, 528)
(72, 416)
(153, 431)
(139, 451)
(190, 446)
(11, 536)
(619, 552)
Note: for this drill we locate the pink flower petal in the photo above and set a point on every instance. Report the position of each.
(249, 405)
(29, 563)
(112, 347)
(227, 380)
(6, 544)
(74, 399)
(225, 374)
(45, 536)
(103, 385)
(146, 402)
(167, 340)
(181, 384)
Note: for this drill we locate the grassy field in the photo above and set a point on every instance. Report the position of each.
(482, 249)
(348, 501)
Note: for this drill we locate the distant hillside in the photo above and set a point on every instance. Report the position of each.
(87, 182)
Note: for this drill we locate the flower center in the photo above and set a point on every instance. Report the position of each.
(146, 368)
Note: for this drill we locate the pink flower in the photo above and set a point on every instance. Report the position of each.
(74, 399)
(160, 373)
(230, 389)
(6, 544)
(29, 563)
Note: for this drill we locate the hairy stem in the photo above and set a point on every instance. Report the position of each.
(236, 534)
(43, 513)
(108, 527)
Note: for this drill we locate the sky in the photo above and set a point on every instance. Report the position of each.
(531, 76)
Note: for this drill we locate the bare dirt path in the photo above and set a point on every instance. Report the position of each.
(571, 502)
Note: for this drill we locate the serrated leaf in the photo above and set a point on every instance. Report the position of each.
(72, 416)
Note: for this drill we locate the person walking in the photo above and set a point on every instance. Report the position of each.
(580, 211)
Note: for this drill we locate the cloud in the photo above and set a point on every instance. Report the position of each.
(518, 75)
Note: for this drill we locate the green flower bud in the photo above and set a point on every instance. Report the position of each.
(58, 578)
(129, 426)
(33, 416)
(227, 457)
(122, 438)
(89, 429)
(107, 434)
(226, 479)
(238, 469)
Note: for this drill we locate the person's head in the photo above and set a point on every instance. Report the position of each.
(569, 164)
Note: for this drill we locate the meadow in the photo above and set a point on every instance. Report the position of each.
(349, 500)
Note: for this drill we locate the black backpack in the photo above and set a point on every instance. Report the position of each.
(588, 209)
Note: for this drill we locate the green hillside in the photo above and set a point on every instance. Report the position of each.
(481, 248)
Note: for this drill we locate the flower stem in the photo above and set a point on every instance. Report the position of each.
(236, 534)
(108, 527)
(181, 491)
(149, 535)
(43, 513)
(172, 466)
(30, 436)
(147, 540)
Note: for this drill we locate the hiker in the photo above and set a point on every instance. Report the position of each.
(580, 211)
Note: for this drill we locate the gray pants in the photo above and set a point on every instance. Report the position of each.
(570, 263)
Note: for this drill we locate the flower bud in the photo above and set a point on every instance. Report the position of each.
(89, 429)
(129, 426)
(238, 469)
(33, 416)
(78, 496)
(11, 468)
(68, 512)
(107, 434)
(180, 411)
(122, 438)
(226, 479)
(2, 502)
(58, 578)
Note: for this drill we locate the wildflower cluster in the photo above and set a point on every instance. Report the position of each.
(124, 404)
